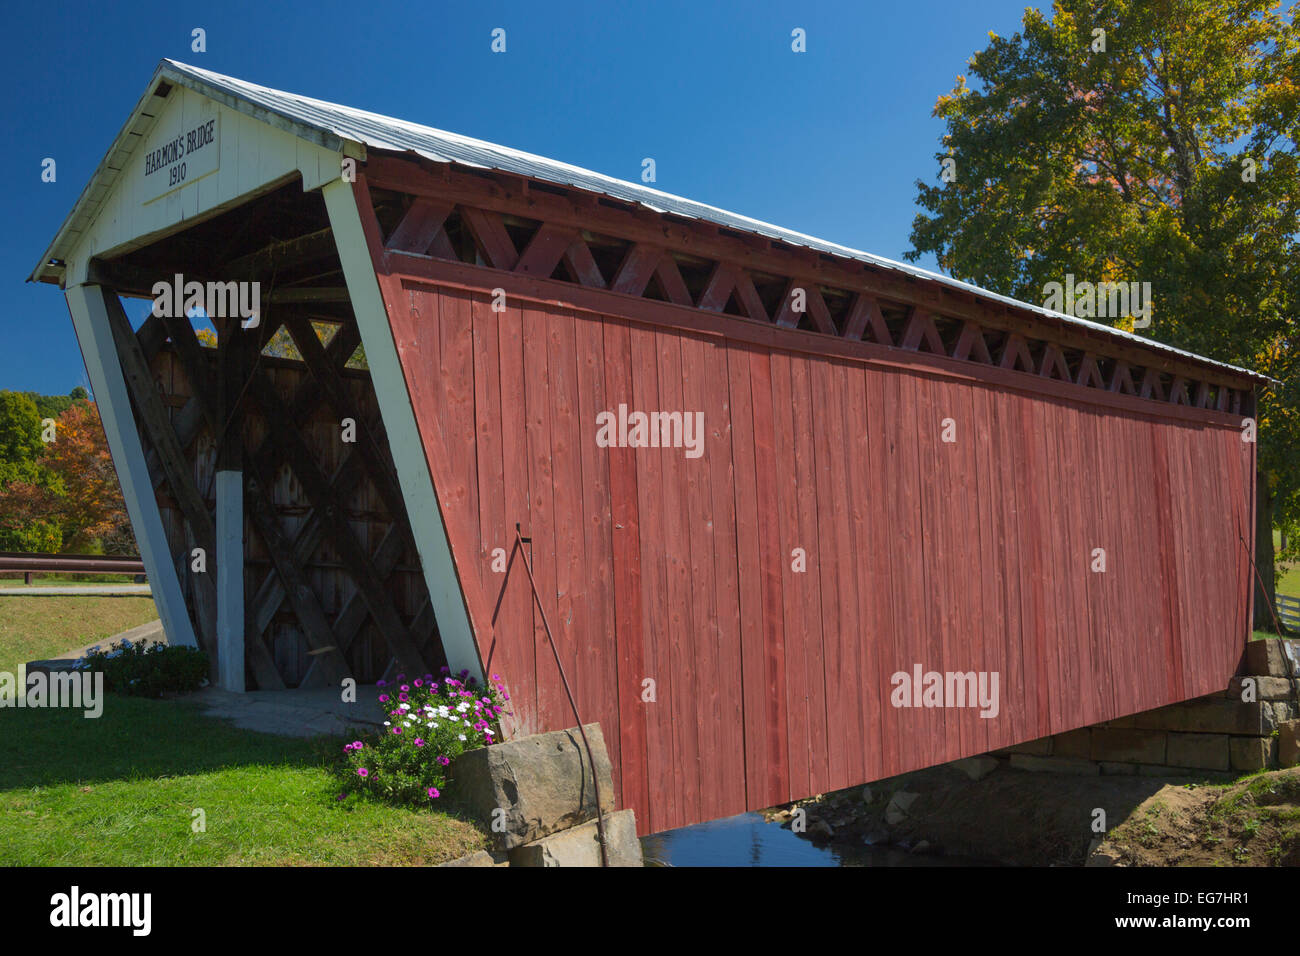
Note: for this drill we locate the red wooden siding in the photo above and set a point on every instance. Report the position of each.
(772, 684)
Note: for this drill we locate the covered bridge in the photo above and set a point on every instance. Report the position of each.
(757, 475)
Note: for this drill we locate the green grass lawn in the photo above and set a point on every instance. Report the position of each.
(36, 627)
(53, 578)
(120, 790)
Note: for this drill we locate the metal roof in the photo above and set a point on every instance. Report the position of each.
(331, 124)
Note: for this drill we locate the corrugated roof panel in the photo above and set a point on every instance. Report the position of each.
(375, 131)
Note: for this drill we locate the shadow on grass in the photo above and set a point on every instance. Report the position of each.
(137, 738)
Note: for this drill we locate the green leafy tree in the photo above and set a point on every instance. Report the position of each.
(1143, 140)
(26, 485)
(20, 429)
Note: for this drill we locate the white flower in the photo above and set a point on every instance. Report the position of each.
(463, 737)
(387, 724)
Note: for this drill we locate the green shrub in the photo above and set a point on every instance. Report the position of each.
(148, 670)
(430, 722)
(37, 537)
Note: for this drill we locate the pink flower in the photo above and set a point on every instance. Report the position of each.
(380, 683)
(419, 741)
(397, 730)
(357, 745)
(401, 677)
(383, 698)
(405, 687)
(362, 772)
(444, 760)
(419, 683)
(433, 793)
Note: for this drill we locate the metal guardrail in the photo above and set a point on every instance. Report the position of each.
(30, 564)
(1288, 610)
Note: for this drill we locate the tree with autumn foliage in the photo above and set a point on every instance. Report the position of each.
(1152, 141)
(61, 494)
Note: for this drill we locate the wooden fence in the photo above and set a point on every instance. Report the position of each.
(1288, 611)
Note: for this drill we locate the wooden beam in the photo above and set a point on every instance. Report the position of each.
(920, 328)
(1053, 364)
(864, 315)
(821, 315)
(717, 291)
(1151, 387)
(582, 267)
(1121, 380)
(310, 294)
(749, 300)
(494, 243)
(671, 281)
(639, 264)
(280, 255)
(546, 249)
(1015, 353)
(971, 342)
(157, 428)
(1089, 372)
(421, 224)
(1178, 391)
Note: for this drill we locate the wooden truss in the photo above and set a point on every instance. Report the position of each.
(528, 229)
(171, 432)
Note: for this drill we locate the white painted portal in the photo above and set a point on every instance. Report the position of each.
(95, 336)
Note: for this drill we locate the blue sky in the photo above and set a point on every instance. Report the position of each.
(827, 142)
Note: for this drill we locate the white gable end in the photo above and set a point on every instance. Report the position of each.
(196, 159)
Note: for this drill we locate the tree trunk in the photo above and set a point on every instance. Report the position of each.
(1264, 593)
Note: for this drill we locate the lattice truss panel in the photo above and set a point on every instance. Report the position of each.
(333, 586)
(473, 218)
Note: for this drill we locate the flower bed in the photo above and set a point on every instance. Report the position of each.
(430, 722)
